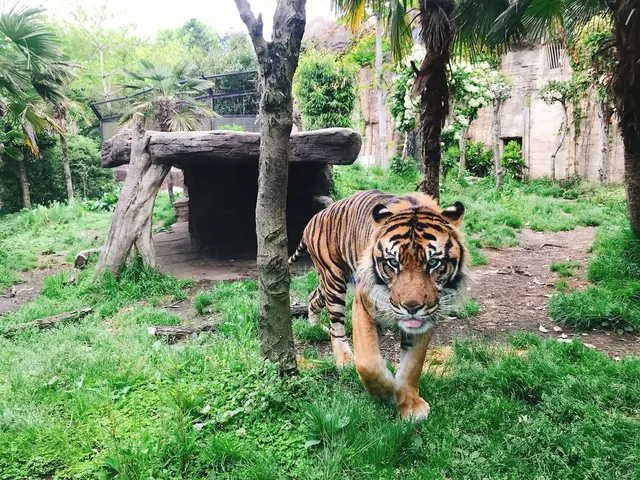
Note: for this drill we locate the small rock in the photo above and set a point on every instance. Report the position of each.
(617, 358)
(565, 340)
(590, 345)
(557, 328)
(564, 335)
(542, 329)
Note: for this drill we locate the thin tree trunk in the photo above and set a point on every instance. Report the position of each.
(172, 196)
(66, 167)
(563, 135)
(604, 141)
(499, 173)
(382, 112)
(131, 224)
(462, 143)
(24, 184)
(277, 62)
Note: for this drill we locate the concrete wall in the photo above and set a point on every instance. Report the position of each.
(524, 115)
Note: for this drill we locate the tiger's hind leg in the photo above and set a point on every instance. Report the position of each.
(316, 304)
(335, 295)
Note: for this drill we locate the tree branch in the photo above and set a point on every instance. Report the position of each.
(254, 26)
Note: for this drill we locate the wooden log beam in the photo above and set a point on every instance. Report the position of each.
(338, 146)
(46, 322)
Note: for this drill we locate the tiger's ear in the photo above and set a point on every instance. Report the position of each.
(454, 214)
(380, 212)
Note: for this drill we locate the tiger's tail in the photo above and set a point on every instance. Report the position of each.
(299, 253)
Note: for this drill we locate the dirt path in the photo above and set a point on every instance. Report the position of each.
(31, 286)
(513, 290)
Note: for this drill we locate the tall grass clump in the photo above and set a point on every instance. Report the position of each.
(613, 301)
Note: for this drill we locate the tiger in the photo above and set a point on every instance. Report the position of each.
(407, 260)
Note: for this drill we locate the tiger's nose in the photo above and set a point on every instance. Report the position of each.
(412, 307)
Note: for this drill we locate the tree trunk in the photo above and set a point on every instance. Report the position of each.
(382, 112)
(462, 143)
(277, 62)
(431, 84)
(66, 167)
(626, 86)
(604, 141)
(131, 224)
(499, 173)
(563, 135)
(24, 184)
(172, 196)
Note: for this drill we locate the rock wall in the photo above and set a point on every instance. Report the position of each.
(528, 118)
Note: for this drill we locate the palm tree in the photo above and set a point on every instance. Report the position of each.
(166, 101)
(499, 23)
(30, 65)
(435, 17)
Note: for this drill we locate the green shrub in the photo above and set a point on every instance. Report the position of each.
(325, 91)
(404, 167)
(479, 160)
(512, 161)
(231, 128)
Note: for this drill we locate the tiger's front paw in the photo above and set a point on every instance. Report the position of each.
(414, 409)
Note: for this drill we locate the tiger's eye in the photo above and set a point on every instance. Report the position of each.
(393, 263)
(433, 263)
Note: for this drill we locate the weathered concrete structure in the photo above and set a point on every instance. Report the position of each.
(221, 177)
(527, 119)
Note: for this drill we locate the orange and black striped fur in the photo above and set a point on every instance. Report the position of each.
(407, 259)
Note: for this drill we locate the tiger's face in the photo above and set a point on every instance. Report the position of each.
(418, 258)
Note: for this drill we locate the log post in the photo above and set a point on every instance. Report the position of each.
(131, 224)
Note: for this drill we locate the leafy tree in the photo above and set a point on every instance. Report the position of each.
(325, 91)
(592, 58)
(566, 93)
(469, 84)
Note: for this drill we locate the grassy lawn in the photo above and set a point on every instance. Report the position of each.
(31, 239)
(100, 398)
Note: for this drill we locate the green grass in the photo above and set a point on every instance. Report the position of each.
(102, 399)
(58, 229)
(565, 269)
(202, 302)
(612, 302)
(46, 236)
(468, 309)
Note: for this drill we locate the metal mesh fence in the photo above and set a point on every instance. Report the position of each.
(233, 96)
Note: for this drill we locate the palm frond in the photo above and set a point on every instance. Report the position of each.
(24, 28)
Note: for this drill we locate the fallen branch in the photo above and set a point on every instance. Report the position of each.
(551, 245)
(300, 310)
(180, 331)
(83, 257)
(47, 322)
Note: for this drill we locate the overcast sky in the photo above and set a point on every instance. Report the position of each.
(149, 16)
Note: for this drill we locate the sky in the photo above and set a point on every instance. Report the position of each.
(150, 16)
